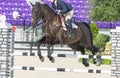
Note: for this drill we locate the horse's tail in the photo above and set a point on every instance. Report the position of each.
(94, 48)
(89, 30)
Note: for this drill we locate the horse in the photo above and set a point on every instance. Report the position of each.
(55, 34)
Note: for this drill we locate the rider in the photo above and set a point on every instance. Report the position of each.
(64, 9)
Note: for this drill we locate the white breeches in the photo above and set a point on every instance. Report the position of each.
(69, 15)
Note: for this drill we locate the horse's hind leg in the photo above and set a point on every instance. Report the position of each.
(82, 50)
(39, 53)
(84, 60)
(94, 50)
(97, 61)
(50, 51)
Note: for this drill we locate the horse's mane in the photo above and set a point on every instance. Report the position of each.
(38, 4)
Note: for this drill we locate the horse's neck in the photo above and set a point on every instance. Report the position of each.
(53, 22)
(48, 14)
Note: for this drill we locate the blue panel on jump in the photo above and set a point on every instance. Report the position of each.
(61, 69)
(61, 55)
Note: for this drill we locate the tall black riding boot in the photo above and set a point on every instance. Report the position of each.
(70, 27)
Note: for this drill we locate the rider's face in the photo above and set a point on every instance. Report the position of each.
(52, 0)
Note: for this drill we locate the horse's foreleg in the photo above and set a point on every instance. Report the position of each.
(39, 53)
(50, 52)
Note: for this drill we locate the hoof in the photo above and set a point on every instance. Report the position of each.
(94, 62)
(98, 63)
(41, 58)
(86, 64)
(52, 59)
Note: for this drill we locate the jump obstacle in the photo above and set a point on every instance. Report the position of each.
(60, 55)
(115, 64)
(61, 69)
(9, 60)
(6, 48)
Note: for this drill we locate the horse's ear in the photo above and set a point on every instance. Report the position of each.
(31, 4)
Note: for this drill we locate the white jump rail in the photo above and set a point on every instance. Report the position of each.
(59, 55)
(60, 69)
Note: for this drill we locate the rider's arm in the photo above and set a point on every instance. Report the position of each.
(53, 6)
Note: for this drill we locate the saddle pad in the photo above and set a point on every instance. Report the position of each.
(74, 25)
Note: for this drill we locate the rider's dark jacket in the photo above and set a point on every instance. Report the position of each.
(62, 6)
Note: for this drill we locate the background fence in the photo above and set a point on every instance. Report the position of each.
(6, 48)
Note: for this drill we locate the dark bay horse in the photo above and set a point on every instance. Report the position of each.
(55, 34)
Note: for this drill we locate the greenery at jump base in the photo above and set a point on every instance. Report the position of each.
(105, 10)
(99, 40)
(103, 61)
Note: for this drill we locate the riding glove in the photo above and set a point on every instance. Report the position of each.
(58, 12)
